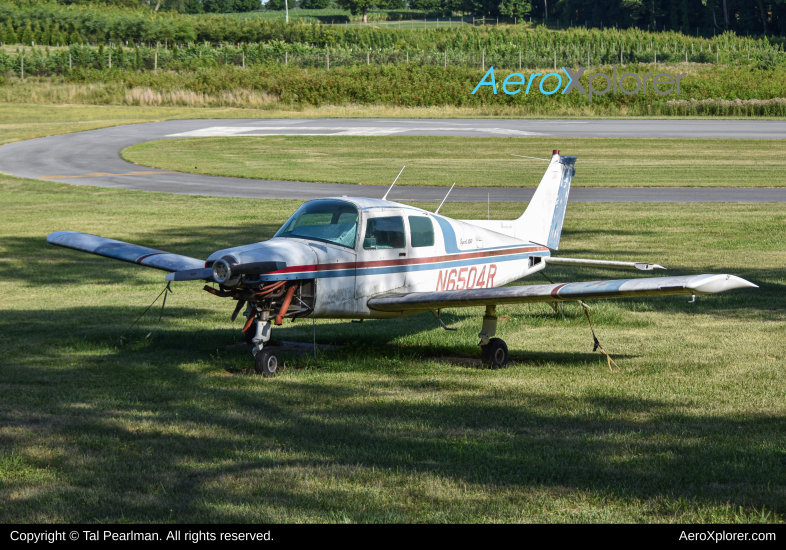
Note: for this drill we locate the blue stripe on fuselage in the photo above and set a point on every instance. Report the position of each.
(385, 270)
(448, 235)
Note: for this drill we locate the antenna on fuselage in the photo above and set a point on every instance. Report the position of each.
(446, 198)
(392, 184)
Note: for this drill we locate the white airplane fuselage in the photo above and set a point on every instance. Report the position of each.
(461, 256)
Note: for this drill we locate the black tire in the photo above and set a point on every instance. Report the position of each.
(494, 354)
(266, 362)
(250, 333)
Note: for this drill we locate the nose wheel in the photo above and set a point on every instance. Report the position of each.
(266, 362)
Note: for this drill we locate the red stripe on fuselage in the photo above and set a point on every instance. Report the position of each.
(408, 261)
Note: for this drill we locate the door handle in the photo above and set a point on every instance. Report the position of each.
(402, 253)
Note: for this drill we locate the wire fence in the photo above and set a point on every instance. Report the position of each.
(48, 61)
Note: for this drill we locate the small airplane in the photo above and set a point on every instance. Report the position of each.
(359, 258)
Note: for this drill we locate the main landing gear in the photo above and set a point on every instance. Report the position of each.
(493, 351)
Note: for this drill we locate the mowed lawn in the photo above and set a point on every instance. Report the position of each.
(173, 427)
(474, 162)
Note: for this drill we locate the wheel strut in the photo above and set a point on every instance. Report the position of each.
(489, 325)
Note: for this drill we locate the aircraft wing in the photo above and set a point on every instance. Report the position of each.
(126, 252)
(561, 292)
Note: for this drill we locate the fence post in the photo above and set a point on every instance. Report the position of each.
(23, 65)
(155, 61)
(243, 59)
(368, 56)
(327, 57)
(69, 61)
(110, 60)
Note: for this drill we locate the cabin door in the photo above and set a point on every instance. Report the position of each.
(382, 254)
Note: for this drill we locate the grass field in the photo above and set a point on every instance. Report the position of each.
(171, 427)
(474, 162)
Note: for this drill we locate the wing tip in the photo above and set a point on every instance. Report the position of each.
(52, 237)
(712, 284)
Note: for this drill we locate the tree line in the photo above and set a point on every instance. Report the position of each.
(55, 25)
(740, 16)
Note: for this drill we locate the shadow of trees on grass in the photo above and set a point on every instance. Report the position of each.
(152, 433)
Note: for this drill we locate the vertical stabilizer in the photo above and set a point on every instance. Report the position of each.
(541, 222)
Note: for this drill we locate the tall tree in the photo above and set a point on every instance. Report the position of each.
(515, 8)
(361, 6)
(763, 17)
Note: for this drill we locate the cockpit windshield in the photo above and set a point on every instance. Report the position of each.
(323, 220)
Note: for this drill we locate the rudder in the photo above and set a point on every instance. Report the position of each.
(541, 222)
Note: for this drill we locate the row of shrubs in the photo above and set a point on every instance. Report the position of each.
(430, 85)
(45, 61)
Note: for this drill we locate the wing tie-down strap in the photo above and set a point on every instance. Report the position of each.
(596, 342)
(166, 292)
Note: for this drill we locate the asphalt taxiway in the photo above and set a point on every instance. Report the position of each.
(93, 157)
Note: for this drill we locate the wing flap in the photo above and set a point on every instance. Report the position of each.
(593, 290)
(642, 266)
(126, 252)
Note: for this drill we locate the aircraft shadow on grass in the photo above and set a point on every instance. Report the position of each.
(102, 327)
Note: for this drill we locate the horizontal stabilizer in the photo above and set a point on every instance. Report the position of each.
(602, 263)
(126, 252)
(593, 290)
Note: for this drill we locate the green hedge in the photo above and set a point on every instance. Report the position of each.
(429, 85)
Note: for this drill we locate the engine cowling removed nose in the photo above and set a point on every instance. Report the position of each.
(227, 270)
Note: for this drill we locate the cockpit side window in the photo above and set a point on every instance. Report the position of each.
(421, 231)
(324, 220)
(385, 233)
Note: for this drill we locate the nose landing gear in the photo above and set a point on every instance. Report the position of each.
(257, 333)
(493, 351)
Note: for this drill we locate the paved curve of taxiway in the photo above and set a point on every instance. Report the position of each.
(93, 157)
